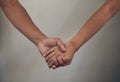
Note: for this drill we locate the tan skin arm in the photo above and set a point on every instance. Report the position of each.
(89, 29)
(96, 22)
(22, 21)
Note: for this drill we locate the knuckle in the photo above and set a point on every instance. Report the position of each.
(66, 59)
(56, 48)
(58, 59)
(58, 54)
(58, 39)
(54, 59)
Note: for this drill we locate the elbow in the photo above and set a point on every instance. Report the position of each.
(7, 3)
(112, 7)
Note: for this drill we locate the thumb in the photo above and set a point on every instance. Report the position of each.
(61, 45)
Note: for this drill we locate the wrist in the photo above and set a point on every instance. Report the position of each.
(39, 39)
(74, 45)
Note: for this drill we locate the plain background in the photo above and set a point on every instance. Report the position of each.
(97, 61)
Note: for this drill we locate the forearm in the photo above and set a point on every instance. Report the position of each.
(21, 20)
(95, 23)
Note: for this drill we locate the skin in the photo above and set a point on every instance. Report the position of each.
(22, 21)
(56, 58)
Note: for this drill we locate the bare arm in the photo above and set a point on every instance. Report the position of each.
(21, 20)
(90, 28)
(95, 23)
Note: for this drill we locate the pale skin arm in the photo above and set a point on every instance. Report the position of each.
(89, 29)
(22, 21)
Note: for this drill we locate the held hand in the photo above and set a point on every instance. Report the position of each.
(55, 57)
(48, 43)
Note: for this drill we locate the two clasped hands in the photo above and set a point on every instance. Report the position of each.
(55, 52)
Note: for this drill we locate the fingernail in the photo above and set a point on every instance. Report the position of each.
(44, 55)
(53, 67)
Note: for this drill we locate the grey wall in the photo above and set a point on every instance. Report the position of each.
(96, 61)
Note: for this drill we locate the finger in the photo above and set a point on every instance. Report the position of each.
(52, 64)
(63, 62)
(49, 52)
(61, 45)
(66, 61)
(60, 60)
(55, 64)
(53, 67)
(48, 58)
(53, 61)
